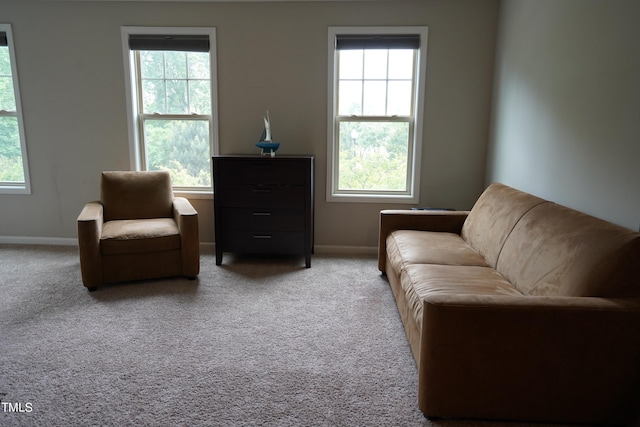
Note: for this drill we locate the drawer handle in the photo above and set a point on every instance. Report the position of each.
(261, 190)
(261, 236)
(261, 213)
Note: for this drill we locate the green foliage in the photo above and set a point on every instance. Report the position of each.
(177, 83)
(373, 153)
(373, 156)
(7, 96)
(181, 147)
(11, 169)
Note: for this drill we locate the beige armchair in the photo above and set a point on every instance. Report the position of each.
(138, 230)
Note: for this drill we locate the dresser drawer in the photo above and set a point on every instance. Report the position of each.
(270, 242)
(263, 219)
(262, 171)
(261, 196)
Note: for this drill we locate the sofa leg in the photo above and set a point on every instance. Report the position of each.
(92, 288)
(430, 418)
(192, 277)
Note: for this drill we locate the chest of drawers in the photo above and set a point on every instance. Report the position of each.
(263, 205)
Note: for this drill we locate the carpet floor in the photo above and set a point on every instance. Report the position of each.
(254, 342)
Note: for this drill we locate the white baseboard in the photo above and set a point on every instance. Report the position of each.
(55, 241)
(346, 250)
(65, 241)
(321, 249)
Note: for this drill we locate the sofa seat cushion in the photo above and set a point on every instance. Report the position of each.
(139, 235)
(419, 281)
(406, 247)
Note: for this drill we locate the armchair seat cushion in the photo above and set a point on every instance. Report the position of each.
(139, 236)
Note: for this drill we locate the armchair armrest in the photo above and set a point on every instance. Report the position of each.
(186, 218)
(392, 220)
(89, 225)
(527, 357)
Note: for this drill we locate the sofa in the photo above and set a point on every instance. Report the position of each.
(520, 309)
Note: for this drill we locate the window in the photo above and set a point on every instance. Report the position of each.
(14, 170)
(376, 85)
(172, 102)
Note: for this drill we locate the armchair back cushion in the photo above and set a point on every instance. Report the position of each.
(136, 195)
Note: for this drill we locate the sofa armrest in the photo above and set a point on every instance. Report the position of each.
(392, 220)
(89, 225)
(186, 218)
(528, 357)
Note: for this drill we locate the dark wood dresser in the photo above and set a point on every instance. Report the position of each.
(263, 205)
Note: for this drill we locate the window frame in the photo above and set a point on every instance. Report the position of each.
(24, 187)
(333, 194)
(136, 119)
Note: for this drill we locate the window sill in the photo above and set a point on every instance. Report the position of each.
(8, 189)
(194, 194)
(372, 198)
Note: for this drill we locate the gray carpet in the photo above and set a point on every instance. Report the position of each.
(252, 342)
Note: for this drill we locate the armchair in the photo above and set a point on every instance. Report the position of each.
(138, 230)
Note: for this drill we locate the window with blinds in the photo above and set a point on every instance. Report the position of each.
(376, 82)
(14, 170)
(172, 76)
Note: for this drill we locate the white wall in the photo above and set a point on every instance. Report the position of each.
(567, 104)
(271, 56)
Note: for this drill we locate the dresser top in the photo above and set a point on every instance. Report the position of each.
(258, 156)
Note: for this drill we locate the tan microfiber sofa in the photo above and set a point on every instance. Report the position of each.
(138, 230)
(520, 309)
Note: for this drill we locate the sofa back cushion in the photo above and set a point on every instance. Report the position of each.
(136, 195)
(554, 250)
(492, 218)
